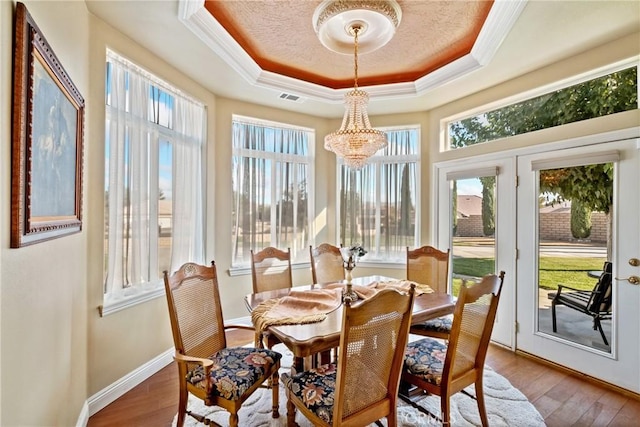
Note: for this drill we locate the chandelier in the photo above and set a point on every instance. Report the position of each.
(356, 140)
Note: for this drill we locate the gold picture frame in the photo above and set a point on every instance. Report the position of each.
(47, 141)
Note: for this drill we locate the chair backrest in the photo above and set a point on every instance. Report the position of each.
(429, 266)
(600, 301)
(271, 269)
(473, 320)
(195, 310)
(371, 353)
(327, 265)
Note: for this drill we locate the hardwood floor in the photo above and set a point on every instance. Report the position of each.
(564, 399)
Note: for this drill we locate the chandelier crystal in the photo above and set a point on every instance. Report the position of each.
(356, 140)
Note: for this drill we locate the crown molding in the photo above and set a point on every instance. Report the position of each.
(499, 22)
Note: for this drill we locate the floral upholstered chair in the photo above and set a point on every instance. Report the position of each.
(271, 269)
(327, 265)
(363, 386)
(430, 266)
(447, 368)
(208, 369)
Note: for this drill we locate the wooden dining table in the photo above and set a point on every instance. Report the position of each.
(311, 339)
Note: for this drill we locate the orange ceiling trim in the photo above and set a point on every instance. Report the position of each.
(455, 51)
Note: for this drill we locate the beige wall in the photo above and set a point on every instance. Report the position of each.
(56, 351)
(120, 342)
(43, 287)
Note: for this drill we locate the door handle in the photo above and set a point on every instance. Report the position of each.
(634, 280)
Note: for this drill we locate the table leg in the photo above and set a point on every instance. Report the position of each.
(325, 357)
(298, 365)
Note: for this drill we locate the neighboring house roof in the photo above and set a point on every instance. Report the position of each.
(164, 207)
(469, 204)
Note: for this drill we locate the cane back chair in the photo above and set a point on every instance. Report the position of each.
(465, 351)
(430, 266)
(363, 386)
(327, 265)
(271, 269)
(208, 369)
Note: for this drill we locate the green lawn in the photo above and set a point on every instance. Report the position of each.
(553, 270)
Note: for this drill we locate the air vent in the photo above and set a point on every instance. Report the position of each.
(290, 97)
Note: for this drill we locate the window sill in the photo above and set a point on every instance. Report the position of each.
(383, 264)
(246, 270)
(131, 297)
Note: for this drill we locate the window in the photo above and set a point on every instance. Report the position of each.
(154, 140)
(272, 188)
(609, 94)
(378, 203)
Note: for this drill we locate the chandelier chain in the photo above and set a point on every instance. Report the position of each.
(356, 141)
(356, 30)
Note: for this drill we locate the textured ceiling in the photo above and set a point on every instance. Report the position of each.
(279, 36)
(517, 38)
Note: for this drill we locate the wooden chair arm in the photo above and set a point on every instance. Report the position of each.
(181, 358)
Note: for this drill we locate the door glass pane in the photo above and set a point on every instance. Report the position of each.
(474, 229)
(165, 206)
(574, 223)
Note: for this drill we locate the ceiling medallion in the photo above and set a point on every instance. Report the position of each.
(332, 21)
(337, 23)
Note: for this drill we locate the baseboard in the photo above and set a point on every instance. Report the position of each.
(114, 391)
(117, 389)
(83, 418)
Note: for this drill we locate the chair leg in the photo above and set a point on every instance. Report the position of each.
(597, 324)
(233, 419)
(182, 405)
(275, 394)
(553, 316)
(482, 409)
(445, 409)
(392, 419)
(291, 412)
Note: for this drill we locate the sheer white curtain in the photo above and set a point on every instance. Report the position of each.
(379, 203)
(272, 176)
(188, 230)
(128, 144)
(132, 141)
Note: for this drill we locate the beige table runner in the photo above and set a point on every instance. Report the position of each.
(310, 306)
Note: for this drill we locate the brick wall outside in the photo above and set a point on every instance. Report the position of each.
(557, 226)
(470, 226)
(553, 226)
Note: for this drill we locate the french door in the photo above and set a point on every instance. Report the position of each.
(541, 239)
(545, 251)
(475, 218)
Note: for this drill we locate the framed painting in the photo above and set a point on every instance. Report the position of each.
(47, 141)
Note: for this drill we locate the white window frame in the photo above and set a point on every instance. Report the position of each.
(185, 134)
(445, 140)
(298, 253)
(373, 256)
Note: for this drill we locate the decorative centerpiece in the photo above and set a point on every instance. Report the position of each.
(350, 257)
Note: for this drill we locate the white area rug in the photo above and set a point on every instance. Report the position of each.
(506, 406)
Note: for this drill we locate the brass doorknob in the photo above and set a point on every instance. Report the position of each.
(634, 280)
(634, 262)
